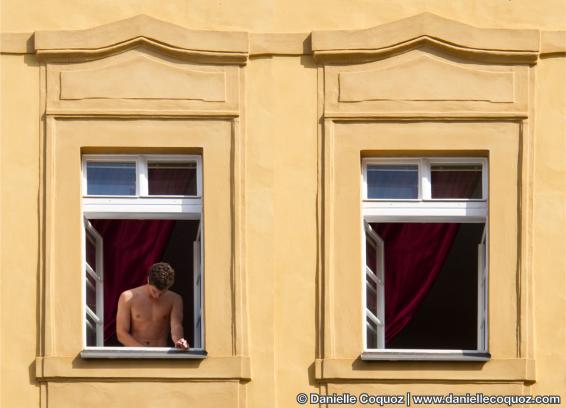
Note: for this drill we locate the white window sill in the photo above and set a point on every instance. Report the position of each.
(495, 370)
(425, 355)
(187, 368)
(142, 353)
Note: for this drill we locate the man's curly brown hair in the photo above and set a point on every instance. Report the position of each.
(161, 275)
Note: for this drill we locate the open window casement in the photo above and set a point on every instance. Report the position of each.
(482, 292)
(374, 293)
(424, 258)
(197, 289)
(93, 286)
(147, 209)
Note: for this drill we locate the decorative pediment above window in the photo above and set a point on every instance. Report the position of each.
(167, 38)
(426, 66)
(176, 82)
(143, 66)
(521, 46)
(390, 82)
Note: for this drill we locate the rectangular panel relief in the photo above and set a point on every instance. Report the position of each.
(419, 81)
(138, 80)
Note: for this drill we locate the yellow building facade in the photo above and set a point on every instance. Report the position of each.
(284, 106)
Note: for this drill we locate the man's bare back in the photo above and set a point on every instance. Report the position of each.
(145, 315)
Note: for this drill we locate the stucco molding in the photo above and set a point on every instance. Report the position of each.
(226, 337)
(260, 44)
(429, 29)
(63, 367)
(553, 42)
(343, 145)
(391, 37)
(408, 84)
(390, 83)
(232, 47)
(500, 370)
(144, 82)
(419, 115)
(280, 44)
(177, 82)
(16, 43)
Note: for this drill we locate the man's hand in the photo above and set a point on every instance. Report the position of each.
(182, 344)
(177, 324)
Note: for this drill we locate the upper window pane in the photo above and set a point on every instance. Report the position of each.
(172, 178)
(456, 181)
(111, 178)
(398, 181)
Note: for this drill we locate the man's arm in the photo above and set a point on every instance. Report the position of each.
(123, 322)
(177, 324)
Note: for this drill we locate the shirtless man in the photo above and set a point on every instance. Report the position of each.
(146, 313)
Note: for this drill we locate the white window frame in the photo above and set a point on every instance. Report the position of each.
(424, 166)
(198, 256)
(377, 276)
(142, 206)
(426, 209)
(141, 161)
(97, 273)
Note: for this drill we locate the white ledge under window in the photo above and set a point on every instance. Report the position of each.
(425, 355)
(142, 352)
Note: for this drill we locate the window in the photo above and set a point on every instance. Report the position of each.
(138, 210)
(424, 258)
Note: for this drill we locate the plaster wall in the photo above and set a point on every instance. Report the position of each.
(281, 222)
(19, 238)
(549, 267)
(280, 16)
(281, 145)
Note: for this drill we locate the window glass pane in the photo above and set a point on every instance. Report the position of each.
(90, 251)
(90, 292)
(456, 180)
(371, 295)
(168, 178)
(111, 178)
(90, 332)
(373, 292)
(371, 286)
(392, 181)
(371, 330)
(371, 260)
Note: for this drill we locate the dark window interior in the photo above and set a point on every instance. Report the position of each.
(447, 318)
(178, 252)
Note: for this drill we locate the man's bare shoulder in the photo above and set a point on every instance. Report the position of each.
(131, 293)
(173, 296)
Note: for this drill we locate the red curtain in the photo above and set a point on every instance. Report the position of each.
(414, 255)
(130, 248)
